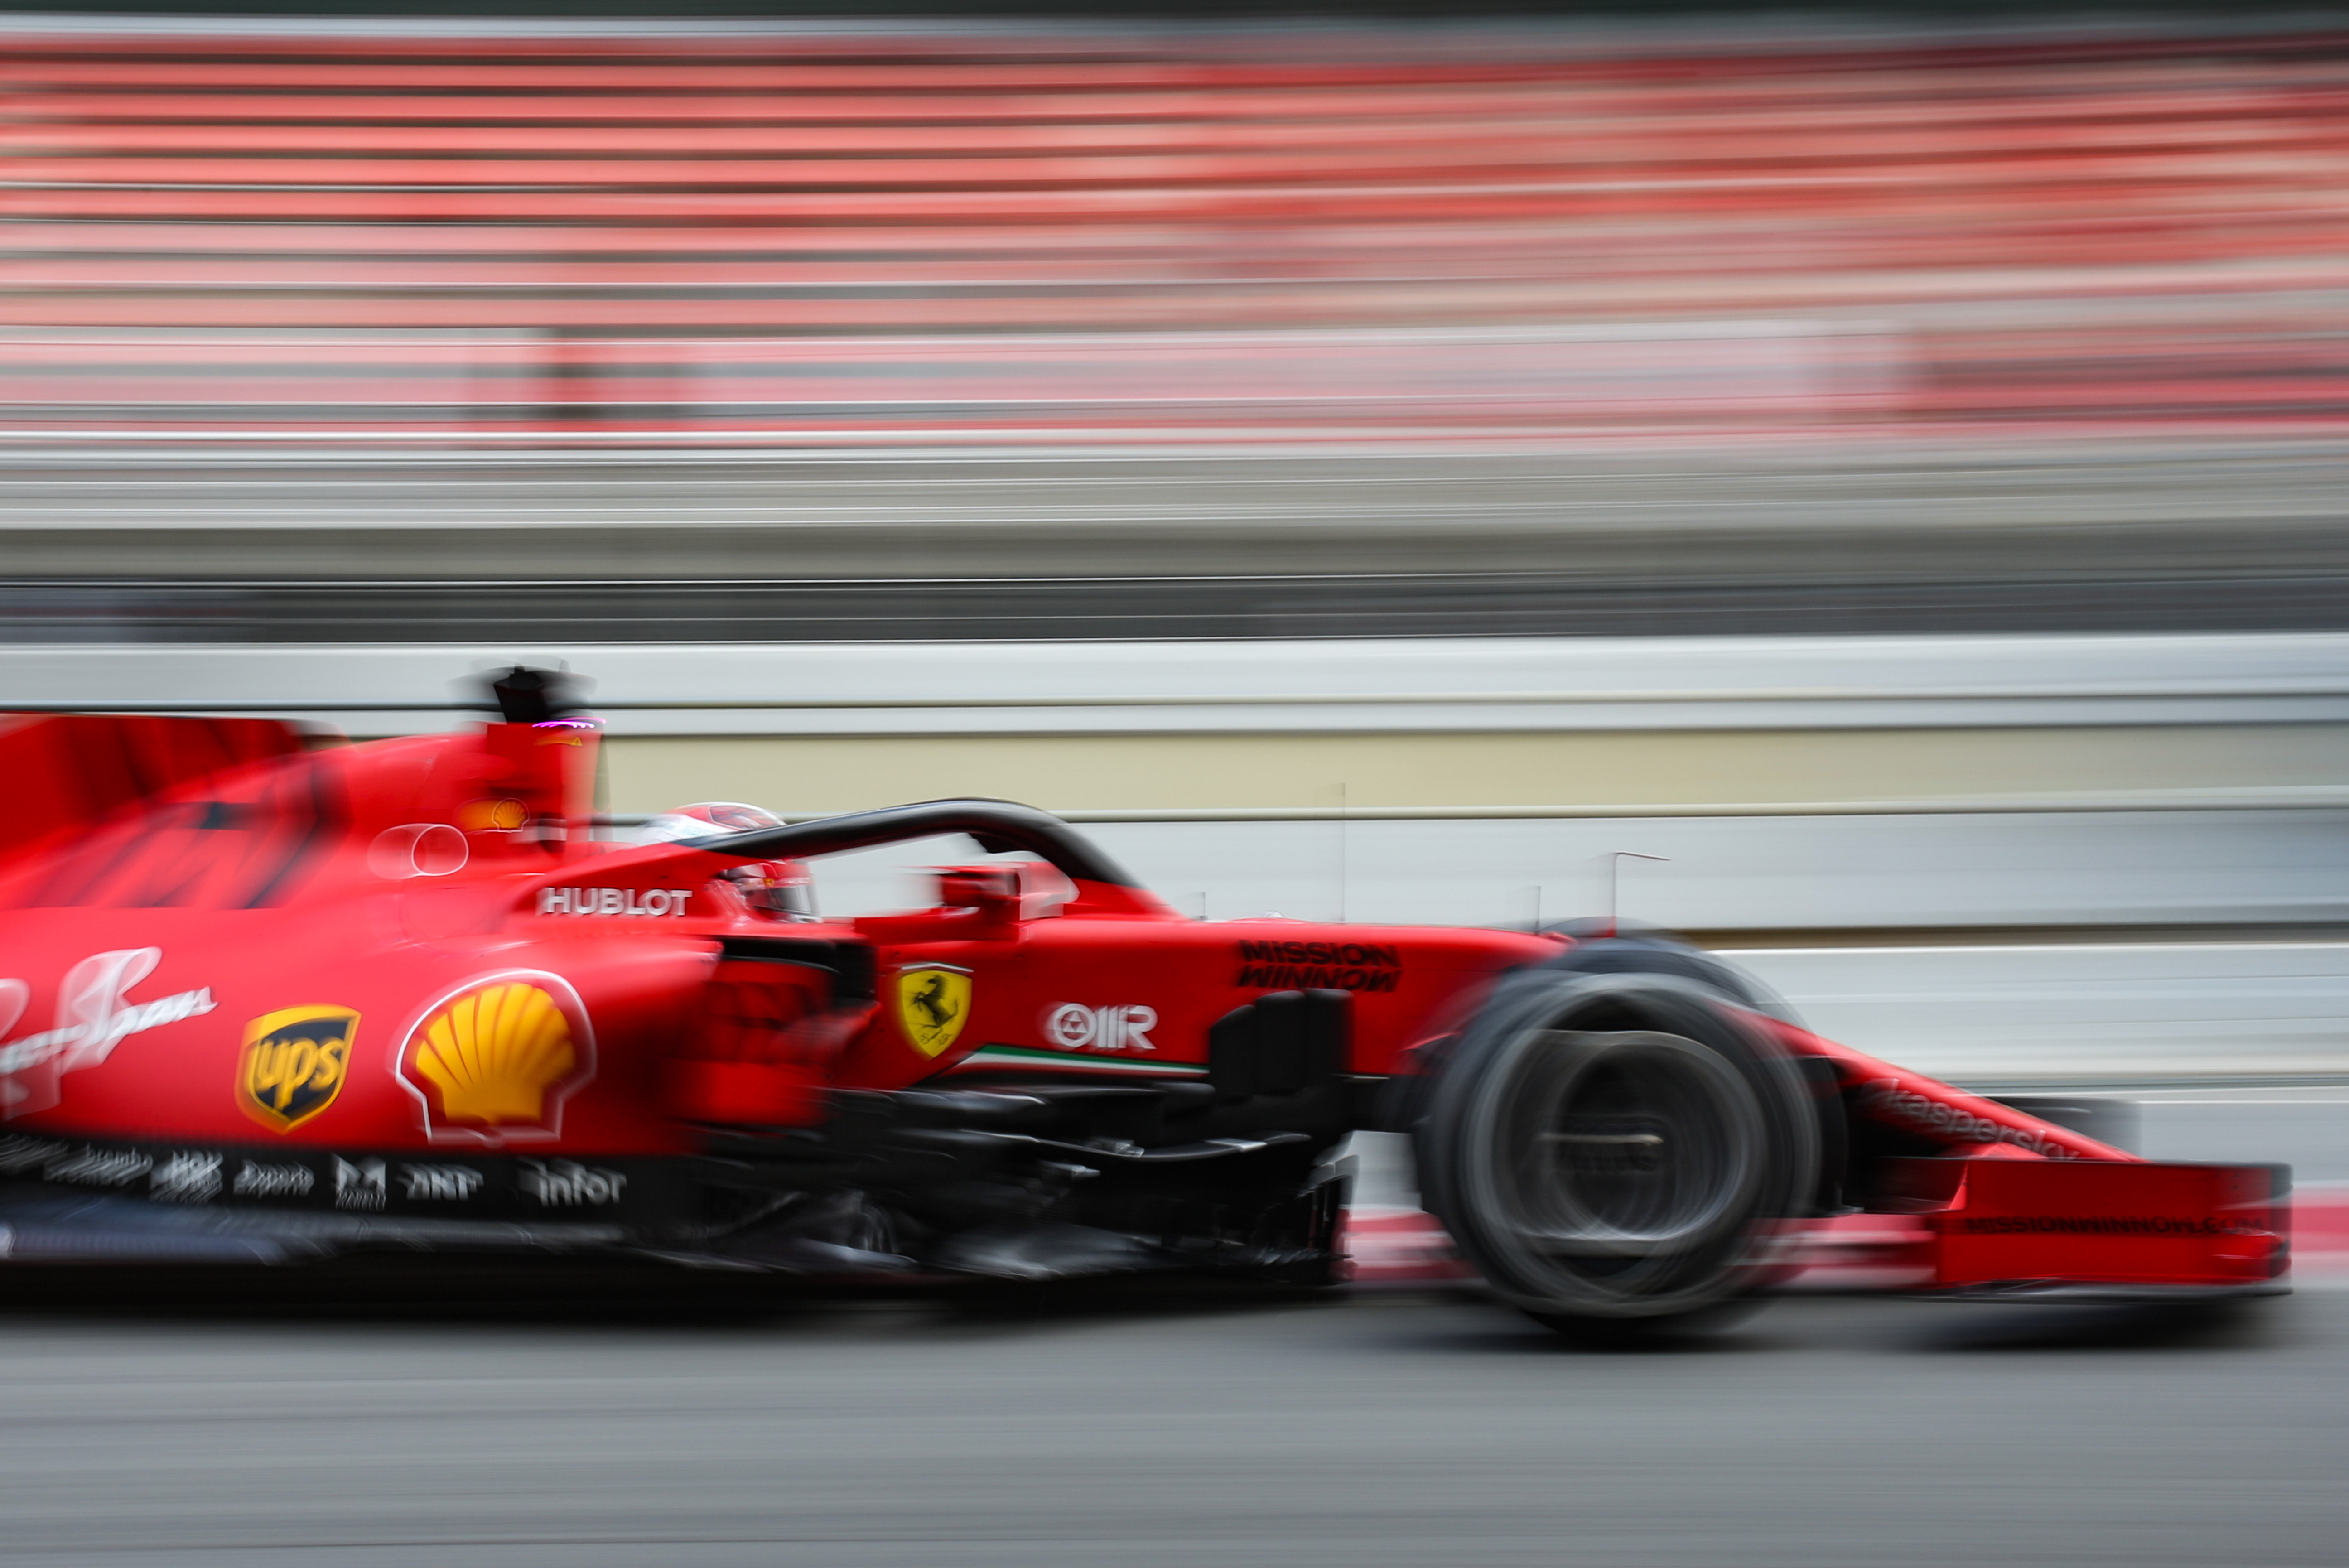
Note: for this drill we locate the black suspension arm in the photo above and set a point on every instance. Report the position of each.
(998, 825)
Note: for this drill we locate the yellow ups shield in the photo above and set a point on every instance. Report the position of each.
(932, 1003)
(294, 1064)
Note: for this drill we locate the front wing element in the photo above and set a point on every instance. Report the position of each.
(2002, 1226)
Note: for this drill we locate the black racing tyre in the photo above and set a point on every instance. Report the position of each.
(1611, 1150)
(1604, 947)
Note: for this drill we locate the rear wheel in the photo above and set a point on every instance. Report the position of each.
(1612, 1151)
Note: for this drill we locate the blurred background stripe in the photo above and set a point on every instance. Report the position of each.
(1167, 233)
(1892, 467)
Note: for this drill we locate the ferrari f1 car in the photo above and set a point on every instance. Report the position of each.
(275, 1001)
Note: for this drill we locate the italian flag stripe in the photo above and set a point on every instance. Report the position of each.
(1025, 1057)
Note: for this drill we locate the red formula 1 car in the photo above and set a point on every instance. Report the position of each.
(265, 1002)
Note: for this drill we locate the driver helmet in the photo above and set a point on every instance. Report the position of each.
(706, 819)
(779, 889)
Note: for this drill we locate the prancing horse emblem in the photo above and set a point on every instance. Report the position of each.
(932, 1003)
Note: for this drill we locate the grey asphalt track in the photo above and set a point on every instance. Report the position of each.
(1383, 1429)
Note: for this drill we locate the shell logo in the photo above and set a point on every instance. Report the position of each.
(494, 1061)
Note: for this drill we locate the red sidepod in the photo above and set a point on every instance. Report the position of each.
(757, 1047)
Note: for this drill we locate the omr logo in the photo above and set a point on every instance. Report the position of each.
(1121, 1026)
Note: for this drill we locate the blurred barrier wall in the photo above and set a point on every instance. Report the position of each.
(1929, 845)
(1086, 234)
(1799, 786)
(1797, 538)
(2143, 1011)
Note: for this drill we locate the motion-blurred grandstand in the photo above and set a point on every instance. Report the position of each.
(694, 351)
(1050, 235)
(1526, 326)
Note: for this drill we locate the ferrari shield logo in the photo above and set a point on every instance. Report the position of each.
(294, 1064)
(932, 1003)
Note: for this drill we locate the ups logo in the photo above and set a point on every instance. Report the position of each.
(294, 1064)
